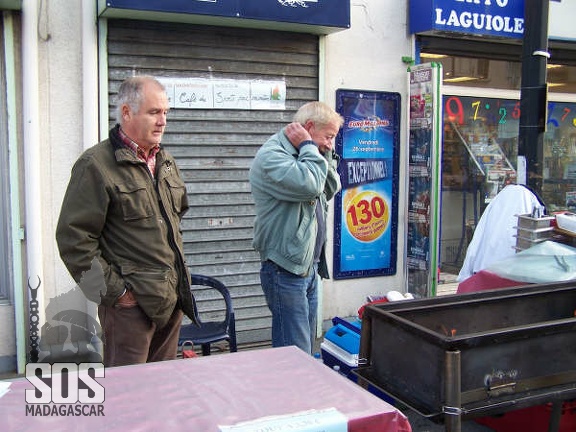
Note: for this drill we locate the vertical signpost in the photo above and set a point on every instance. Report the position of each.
(533, 92)
(424, 171)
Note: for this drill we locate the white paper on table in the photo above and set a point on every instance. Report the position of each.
(4, 387)
(327, 420)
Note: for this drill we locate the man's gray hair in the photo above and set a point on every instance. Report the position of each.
(130, 93)
(319, 113)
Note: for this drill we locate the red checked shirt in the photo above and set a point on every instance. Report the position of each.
(150, 159)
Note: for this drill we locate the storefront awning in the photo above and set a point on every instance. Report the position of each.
(311, 16)
(10, 4)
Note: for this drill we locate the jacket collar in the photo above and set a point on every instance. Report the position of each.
(121, 152)
(285, 142)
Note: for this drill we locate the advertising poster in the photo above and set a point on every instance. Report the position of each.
(366, 210)
(423, 180)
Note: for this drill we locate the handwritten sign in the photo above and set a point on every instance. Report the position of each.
(267, 95)
(231, 94)
(204, 93)
(193, 94)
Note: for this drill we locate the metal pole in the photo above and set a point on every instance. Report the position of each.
(555, 416)
(533, 103)
(452, 385)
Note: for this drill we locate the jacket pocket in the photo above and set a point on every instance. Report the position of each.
(155, 291)
(134, 200)
(299, 246)
(177, 190)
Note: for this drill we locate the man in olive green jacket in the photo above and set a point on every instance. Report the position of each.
(122, 211)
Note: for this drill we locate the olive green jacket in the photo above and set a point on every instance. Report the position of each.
(114, 211)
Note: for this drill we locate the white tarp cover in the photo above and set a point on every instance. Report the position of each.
(544, 262)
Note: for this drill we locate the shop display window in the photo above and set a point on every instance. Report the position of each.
(481, 135)
(498, 74)
(480, 145)
(479, 158)
(559, 168)
(480, 148)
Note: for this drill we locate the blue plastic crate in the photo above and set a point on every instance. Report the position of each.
(332, 356)
(344, 337)
(340, 348)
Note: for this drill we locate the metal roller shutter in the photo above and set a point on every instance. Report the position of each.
(215, 147)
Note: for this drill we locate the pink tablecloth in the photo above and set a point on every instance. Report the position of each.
(199, 394)
(485, 280)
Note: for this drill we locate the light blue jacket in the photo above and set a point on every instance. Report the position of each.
(285, 184)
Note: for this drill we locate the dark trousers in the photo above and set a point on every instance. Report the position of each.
(130, 337)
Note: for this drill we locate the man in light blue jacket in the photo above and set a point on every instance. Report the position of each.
(293, 176)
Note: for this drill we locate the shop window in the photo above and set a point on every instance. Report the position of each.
(480, 144)
(459, 69)
(498, 74)
(480, 148)
(559, 168)
(479, 158)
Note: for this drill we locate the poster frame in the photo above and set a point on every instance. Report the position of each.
(389, 240)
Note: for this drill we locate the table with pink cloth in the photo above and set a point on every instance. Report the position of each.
(485, 280)
(199, 394)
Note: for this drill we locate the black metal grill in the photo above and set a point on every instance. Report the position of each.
(469, 355)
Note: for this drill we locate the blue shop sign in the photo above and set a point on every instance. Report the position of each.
(323, 13)
(502, 18)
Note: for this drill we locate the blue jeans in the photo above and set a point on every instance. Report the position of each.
(293, 301)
